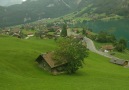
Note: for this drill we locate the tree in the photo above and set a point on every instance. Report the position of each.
(111, 38)
(84, 31)
(39, 34)
(102, 37)
(105, 37)
(64, 31)
(121, 45)
(73, 52)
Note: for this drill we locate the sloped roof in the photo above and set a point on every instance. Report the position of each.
(15, 30)
(118, 61)
(108, 47)
(79, 37)
(52, 63)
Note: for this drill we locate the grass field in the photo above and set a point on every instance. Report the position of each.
(18, 70)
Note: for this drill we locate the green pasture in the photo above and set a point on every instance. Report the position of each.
(19, 71)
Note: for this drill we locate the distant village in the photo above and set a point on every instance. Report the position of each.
(45, 30)
(38, 29)
(28, 30)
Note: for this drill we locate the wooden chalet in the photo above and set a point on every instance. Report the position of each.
(46, 62)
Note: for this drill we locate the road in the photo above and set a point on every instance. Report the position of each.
(91, 47)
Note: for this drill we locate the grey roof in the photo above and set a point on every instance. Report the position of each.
(118, 61)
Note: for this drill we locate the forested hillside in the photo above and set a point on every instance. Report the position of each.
(33, 10)
(118, 7)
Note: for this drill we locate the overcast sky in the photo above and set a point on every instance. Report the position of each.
(9, 2)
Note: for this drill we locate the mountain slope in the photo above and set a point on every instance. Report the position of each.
(119, 7)
(33, 10)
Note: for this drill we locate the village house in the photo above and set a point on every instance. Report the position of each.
(46, 62)
(15, 31)
(58, 32)
(5, 31)
(79, 37)
(120, 62)
(30, 34)
(107, 48)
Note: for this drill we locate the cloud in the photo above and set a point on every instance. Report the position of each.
(9, 2)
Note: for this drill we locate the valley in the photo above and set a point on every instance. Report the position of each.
(34, 28)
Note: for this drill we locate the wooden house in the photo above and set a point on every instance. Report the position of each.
(120, 62)
(79, 37)
(16, 31)
(46, 62)
(5, 31)
(107, 47)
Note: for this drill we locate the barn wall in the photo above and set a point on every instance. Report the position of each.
(46, 66)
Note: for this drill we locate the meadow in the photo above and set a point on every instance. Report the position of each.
(19, 71)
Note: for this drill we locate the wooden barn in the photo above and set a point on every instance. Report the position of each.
(120, 62)
(46, 62)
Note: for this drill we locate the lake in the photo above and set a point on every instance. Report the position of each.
(120, 28)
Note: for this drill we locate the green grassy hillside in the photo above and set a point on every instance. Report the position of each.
(18, 70)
